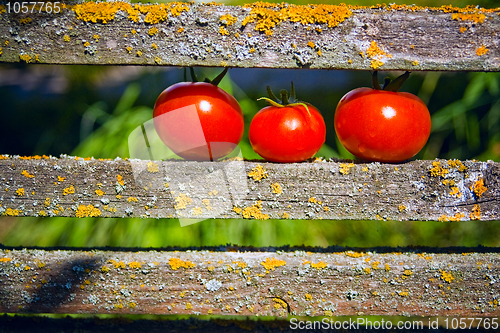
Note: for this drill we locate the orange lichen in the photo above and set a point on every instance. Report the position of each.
(345, 168)
(455, 192)
(5, 259)
(99, 192)
(319, 265)
(481, 50)
(314, 200)
(228, 19)
(153, 167)
(476, 213)
(437, 170)
(374, 51)
(463, 29)
(252, 212)
(182, 201)
(20, 192)
(447, 277)
(401, 208)
(354, 254)
(478, 188)
(272, 263)
(457, 164)
(474, 17)
(134, 264)
(268, 15)
(152, 31)
(258, 173)
(181, 29)
(87, 211)
(176, 263)
(69, 190)
(223, 31)
(26, 174)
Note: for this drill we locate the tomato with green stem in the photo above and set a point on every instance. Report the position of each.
(287, 131)
(198, 120)
(382, 125)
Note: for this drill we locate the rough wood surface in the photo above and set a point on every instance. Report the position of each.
(252, 283)
(279, 36)
(417, 190)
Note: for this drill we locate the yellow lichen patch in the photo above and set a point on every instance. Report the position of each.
(272, 263)
(472, 17)
(387, 267)
(119, 179)
(455, 192)
(403, 293)
(457, 164)
(375, 52)
(482, 50)
(20, 192)
(308, 297)
(25, 20)
(268, 15)
(134, 199)
(375, 64)
(206, 203)
(153, 167)
(86, 44)
(314, 200)
(478, 188)
(279, 303)
(447, 277)
(87, 211)
(223, 31)
(319, 265)
(99, 192)
(154, 46)
(354, 254)
(181, 29)
(197, 210)
(188, 306)
(5, 259)
(26, 174)
(25, 57)
(182, 201)
(117, 264)
(138, 53)
(463, 29)
(286, 215)
(153, 31)
(401, 208)
(61, 179)
(69, 190)
(134, 264)
(345, 168)
(375, 264)
(437, 170)
(276, 188)
(228, 19)
(176, 263)
(407, 272)
(252, 212)
(415, 63)
(476, 213)
(311, 45)
(105, 269)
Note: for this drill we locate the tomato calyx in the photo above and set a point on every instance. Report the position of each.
(215, 81)
(389, 85)
(286, 100)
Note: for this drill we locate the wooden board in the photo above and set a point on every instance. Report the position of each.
(449, 282)
(257, 35)
(192, 191)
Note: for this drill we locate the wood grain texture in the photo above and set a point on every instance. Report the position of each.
(251, 283)
(408, 39)
(191, 191)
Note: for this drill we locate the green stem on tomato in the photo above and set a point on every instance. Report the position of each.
(219, 77)
(396, 84)
(278, 105)
(375, 83)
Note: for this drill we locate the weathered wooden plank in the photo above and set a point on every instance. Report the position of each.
(257, 35)
(417, 190)
(251, 283)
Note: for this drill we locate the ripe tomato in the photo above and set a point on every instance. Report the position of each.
(380, 125)
(288, 133)
(183, 107)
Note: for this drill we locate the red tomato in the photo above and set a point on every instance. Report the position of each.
(382, 126)
(218, 113)
(288, 133)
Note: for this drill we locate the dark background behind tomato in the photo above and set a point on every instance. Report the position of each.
(90, 111)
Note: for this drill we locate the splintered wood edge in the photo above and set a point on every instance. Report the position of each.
(234, 36)
(250, 283)
(443, 190)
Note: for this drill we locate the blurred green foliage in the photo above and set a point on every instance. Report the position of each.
(93, 119)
